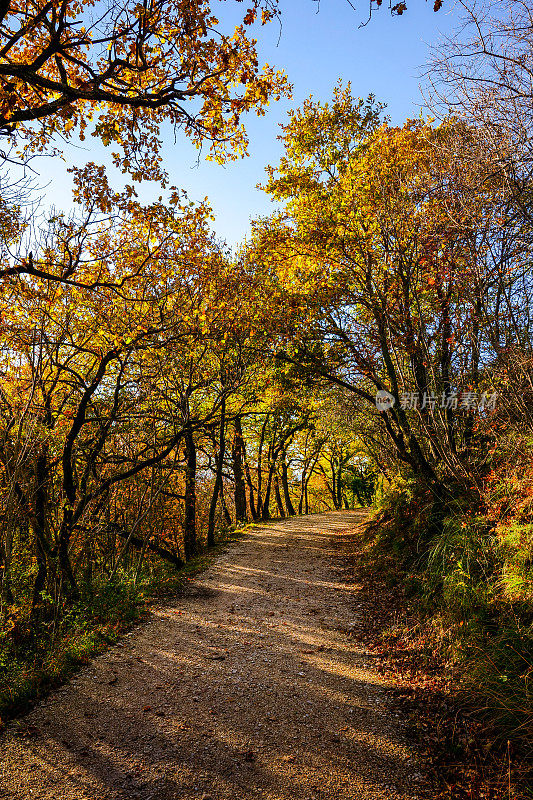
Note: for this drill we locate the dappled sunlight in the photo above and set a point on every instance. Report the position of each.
(324, 584)
(245, 689)
(235, 588)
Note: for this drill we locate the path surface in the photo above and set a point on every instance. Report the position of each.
(248, 688)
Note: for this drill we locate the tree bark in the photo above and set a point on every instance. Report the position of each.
(218, 477)
(190, 541)
(277, 492)
(227, 515)
(266, 503)
(249, 482)
(260, 468)
(5, 559)
(238, 473)
(339, 485)
(285, 483)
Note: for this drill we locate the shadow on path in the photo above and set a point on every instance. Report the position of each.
(248, 688)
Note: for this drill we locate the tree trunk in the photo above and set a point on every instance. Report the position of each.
(285, 483)
(249, 482)
(5, 559)
(333, 488)
(238, 473)
(277, 492)
(253, 512)
(338, 504)
(190, 541)
(302, 489)
(227, 515)
(260, 468)
(218, 477)
(266, 504)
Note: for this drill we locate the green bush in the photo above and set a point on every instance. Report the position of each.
(33, 660)
(460, 566)
(498, 677)
(473, 587)
(515, 549)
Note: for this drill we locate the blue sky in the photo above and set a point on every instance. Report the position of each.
(386, 57)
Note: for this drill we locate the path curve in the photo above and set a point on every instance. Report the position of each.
(247, 688)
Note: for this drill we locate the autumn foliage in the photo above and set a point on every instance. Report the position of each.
(158, 390)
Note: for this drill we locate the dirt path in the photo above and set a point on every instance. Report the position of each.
(246, 689)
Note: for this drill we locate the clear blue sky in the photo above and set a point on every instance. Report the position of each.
(315, 49)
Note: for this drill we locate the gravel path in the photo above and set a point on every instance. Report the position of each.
(247, 688)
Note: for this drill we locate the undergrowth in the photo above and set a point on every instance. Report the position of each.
(471, 585)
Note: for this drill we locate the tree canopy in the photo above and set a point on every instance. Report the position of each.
(121, 70)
